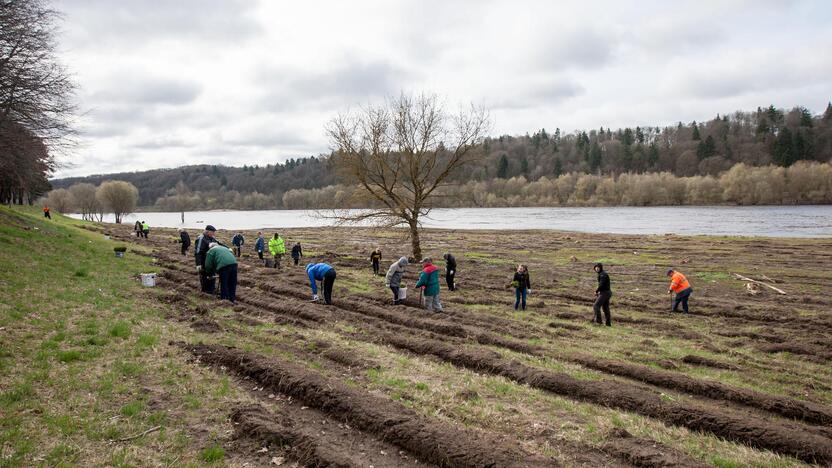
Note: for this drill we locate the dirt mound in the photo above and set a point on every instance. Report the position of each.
(790, 408)
(790, 439)
(431, 440)
(707, 362)
(206, 326)
(645, 452)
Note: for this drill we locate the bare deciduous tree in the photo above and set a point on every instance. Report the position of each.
(400, 153)
(118, 197)
(36, 104)
(86, 201)
(60, 201)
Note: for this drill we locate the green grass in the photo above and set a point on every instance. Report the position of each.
(212, 454)
(80, 347)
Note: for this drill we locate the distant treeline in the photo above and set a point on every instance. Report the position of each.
(801, 183)
(608, 163)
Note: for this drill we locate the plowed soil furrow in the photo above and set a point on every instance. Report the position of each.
(321, 445)
(647, 453)
(792, 439)
(787, 407)
(433, 441)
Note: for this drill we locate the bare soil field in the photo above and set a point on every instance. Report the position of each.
(743, 380)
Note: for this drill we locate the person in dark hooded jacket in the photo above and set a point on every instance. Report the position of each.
(522, 286)
(185, 240)
(394, 278)
(602, 295)
(450, 270)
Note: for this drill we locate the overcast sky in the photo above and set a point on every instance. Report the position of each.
(169, 83)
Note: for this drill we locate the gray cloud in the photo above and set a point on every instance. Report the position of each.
(584, 48)
(350, 82)
(136, 89)
(123, 21)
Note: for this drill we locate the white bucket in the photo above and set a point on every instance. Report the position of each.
(148, 279)
(402, 294)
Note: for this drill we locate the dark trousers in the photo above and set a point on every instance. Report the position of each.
(329, 281)
(237, 250)
(277, 259)
(682, 298)
(297, 260)
(375, 267)
(138, 233)
(47, 215)
(145, 233)
(185, 249)
(228, 282)
(602, 301)
(206, 283)
(260, 254)
(520, 294)
(395, 290)
(449, 278)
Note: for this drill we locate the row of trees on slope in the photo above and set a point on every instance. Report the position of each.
(113, 196)
(36, 106)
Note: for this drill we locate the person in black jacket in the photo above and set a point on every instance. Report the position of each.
(450, 270)
(200, 251)
(237, 241)
(522, 286)
(602, 295)
(185, 239)
(297, 253)
(375, 258)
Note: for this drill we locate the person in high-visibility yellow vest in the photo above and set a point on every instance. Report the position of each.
(277, 247)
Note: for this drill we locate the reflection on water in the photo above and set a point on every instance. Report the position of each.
(775, 221)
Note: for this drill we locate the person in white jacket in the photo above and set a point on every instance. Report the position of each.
(394, 278)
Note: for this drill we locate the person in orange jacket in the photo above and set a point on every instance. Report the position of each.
(681, 286)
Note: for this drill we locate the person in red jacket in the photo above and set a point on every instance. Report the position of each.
(681, 286)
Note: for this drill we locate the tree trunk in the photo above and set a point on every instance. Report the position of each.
(414, 239)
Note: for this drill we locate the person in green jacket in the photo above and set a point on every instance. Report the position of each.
(145, 229)
(220, 260)
(277, 247)
(429, 281)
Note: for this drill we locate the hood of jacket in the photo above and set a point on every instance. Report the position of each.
(403, 262)
(429, 268)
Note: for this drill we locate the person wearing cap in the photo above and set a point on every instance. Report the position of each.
(681, 286)
(450, 270)
(603, 293)
(220, 260)
(201, 248)
(185, 240)
(429, 281)
(321, 272)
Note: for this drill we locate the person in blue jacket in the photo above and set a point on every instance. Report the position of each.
(321, 272)
(260, 245)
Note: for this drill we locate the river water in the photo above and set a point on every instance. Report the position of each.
(772, 221)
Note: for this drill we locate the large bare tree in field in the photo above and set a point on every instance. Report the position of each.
(400, 153)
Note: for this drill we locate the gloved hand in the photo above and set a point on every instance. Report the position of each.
(451, 272)
(314, 297)
(387, 285)
(529, 291)
(199, 268)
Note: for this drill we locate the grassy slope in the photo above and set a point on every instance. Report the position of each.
(83, 357)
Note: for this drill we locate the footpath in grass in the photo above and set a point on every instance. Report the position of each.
(85, 368)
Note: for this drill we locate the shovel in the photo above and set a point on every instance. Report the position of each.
(672, 300)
